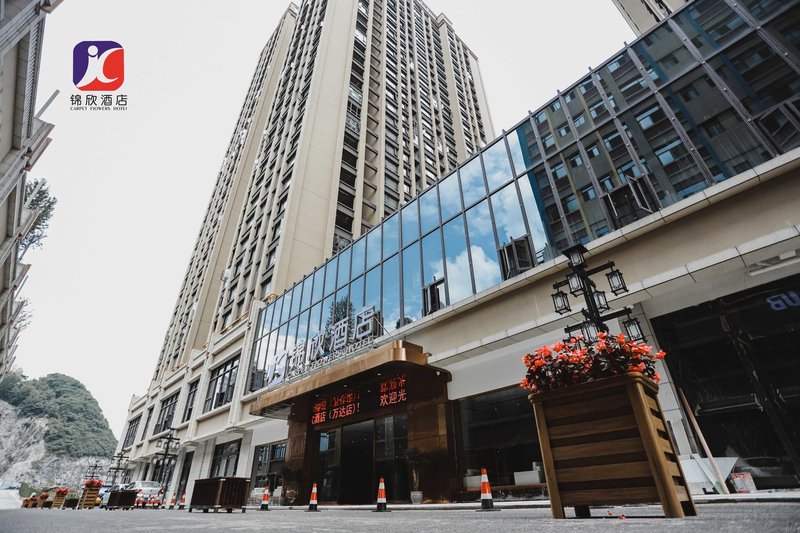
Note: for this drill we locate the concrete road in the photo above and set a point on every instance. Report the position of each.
(9, 499)
(739, 517)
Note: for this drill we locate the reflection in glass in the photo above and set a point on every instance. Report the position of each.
(374, 247)
(372, 289)
(472, 182)
(306, 292)
(410, 223)
(459, 281)
(537, 215)
(412, 284)
(357, 293)
(391, 235)
(432, 267)
(344, 268)
(710, 25)
(498, 168)
(519, 142)
(482, 247)
(330, 276)
(319, 282)
(359, 250)
(429, 210)
(391, 293)
(450, 196)
(508, 215)
(296, 296)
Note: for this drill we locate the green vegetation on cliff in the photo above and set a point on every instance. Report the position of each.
(76, 425)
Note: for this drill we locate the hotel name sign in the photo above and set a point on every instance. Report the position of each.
(337, 341)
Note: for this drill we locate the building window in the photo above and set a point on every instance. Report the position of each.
(515, 257)
(588, 193)
(268, 463)
(225, 458)
(221, 384)
(130, 434)
(190, 397)
(147, 422)
(166, 414)
(433, 297)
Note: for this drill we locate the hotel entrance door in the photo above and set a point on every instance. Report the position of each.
(351, 458)
(357, 463)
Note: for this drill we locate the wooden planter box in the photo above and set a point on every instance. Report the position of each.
(89, 498)
(606, 443)
(59, 501)
(40, 502)
(217, 493)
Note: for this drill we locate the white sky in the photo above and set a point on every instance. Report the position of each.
(132, 186)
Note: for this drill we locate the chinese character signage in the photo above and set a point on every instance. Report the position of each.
(339, 340)
(347, 404)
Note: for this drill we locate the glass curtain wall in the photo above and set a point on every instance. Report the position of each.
(700, 98)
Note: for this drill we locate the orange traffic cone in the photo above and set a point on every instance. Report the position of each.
(312, 503)
(265, 500)
(486, 493)
(172, 501)
(138, 502)
(182, 505)
(381, 499)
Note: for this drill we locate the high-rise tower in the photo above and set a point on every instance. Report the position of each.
(356, 106)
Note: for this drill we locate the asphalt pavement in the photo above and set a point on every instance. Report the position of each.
(738, 517)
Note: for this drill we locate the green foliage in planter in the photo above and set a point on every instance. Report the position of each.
(76, 425)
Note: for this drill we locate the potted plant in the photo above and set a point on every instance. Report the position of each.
(602, 434)
(415, 460)
(91, 490)
(61, 495)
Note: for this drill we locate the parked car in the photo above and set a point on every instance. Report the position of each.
(145, 488)
(104, 494)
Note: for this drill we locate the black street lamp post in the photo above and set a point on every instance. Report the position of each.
(169, 442)
(579, 282)
(122, 465)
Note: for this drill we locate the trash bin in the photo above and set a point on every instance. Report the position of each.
(217, 493)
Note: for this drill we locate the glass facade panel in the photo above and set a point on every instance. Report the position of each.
(623, 80)
(391, 293)
(522, 143)
(450, 197)
(662, 52)
(410, 219)
(319, 283)
(359, 257)
(786, 29)
(482, 247)
(763, 9)
(758, 76)
(710, 25)
(306, 302)
(391, 235)
(412, 284)
(723, 139)
(330, 276)
(497, 165)
(472, 184)
(508, 220)
(459, 279)
(432, 267)
(344, 268)
(372, 289)
(537, 218)
(357, 293)
(429, 210)
(374, 247)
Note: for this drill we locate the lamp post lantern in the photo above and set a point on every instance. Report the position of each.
(579, 282)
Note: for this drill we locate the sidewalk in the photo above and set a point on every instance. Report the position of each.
(700, 499)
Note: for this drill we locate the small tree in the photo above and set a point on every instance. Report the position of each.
(37, 196)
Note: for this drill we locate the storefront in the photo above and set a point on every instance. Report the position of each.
(355, 422)
(737, 360)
